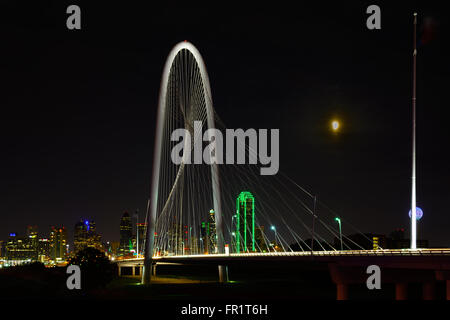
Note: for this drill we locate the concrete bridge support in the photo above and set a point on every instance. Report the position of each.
(343, 276)
(223, 274)
(136, 270)
(448, 289)
(444, 275)
(342, 291)
(429, 290)
(401, 291)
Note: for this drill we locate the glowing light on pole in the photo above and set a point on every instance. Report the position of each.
(274, 230)
(340, 231)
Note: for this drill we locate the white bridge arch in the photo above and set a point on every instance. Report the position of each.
(215, 179)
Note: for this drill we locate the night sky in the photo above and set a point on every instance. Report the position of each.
(78, 108)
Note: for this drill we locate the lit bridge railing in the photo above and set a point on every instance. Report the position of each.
(381, 252)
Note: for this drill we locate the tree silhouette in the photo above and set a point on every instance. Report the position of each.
(96, 269)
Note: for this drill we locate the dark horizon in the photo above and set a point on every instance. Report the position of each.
(79, 107)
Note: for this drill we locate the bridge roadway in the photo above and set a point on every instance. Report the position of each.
(398, 266)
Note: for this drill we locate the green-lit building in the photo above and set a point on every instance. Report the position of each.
(126, 235)
(245, 222)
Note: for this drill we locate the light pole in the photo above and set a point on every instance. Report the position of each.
(136, 215)
(190, 240)
(233, 240)
(413, 177)
(233, 233)
(274, 230)
(340, 230)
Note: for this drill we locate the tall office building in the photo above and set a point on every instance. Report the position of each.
(204, 231)
(32, 234)
(20, 248)
(85, 235)
(58, 244)
(80, 235)
(126, 234)
(140, 237)
(245, 222)
(175, 239)
(208, 235)
(94, 238)
(212, 232)
(186, 242)
(2, 249)
(43, 250)
(260, 243)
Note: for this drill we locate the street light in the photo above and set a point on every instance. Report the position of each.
(232, 228)
(340, 230)
(232, 219)
(233, 240)
(275, 230)
(190, 240)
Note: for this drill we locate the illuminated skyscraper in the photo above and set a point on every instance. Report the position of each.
(32, 234)
(85, 235)
(245, 222)
(126, 234)
(204, 231)
(185, 241)
(43, 250)
(2, 249)
(260, 243)
(208, 234)
(175, 239)
(20, 248)
(80, 235)
(212, 232)
(140, 237)
(58, 244)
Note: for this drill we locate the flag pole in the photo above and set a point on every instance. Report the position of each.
(413, 177)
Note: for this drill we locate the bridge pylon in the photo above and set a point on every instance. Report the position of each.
(164, 106)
